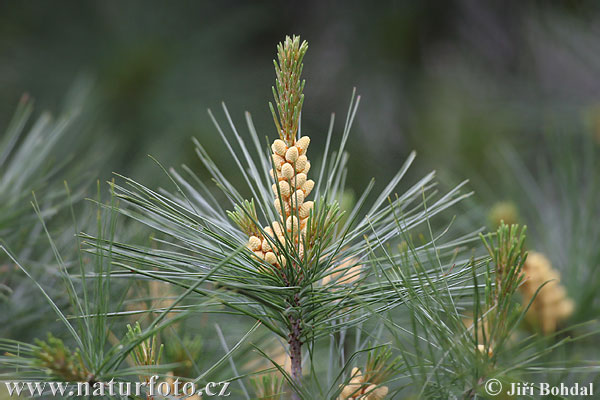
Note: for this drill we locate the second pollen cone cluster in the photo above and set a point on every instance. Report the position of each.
(551, 305)
(291, 188)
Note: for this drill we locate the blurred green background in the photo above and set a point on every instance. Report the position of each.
(449, 79)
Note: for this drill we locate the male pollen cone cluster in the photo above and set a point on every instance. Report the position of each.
(291, 165)
(291, 189)
(551, 305)
(359, 389)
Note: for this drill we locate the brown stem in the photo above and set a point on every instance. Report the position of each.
(295, 341)
(296, 356)
(296, 349)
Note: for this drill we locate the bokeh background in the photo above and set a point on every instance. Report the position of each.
(449, 79)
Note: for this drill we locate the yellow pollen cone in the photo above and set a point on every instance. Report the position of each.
(308, 187)
(302, 144)
(300, 180)
(304, 210)
(254, 243)
(271, 258)
(279, 147)
(291, 155)
(287, 171)
(301, 163)
(306, 167)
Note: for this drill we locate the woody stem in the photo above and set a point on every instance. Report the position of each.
(296, 351)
